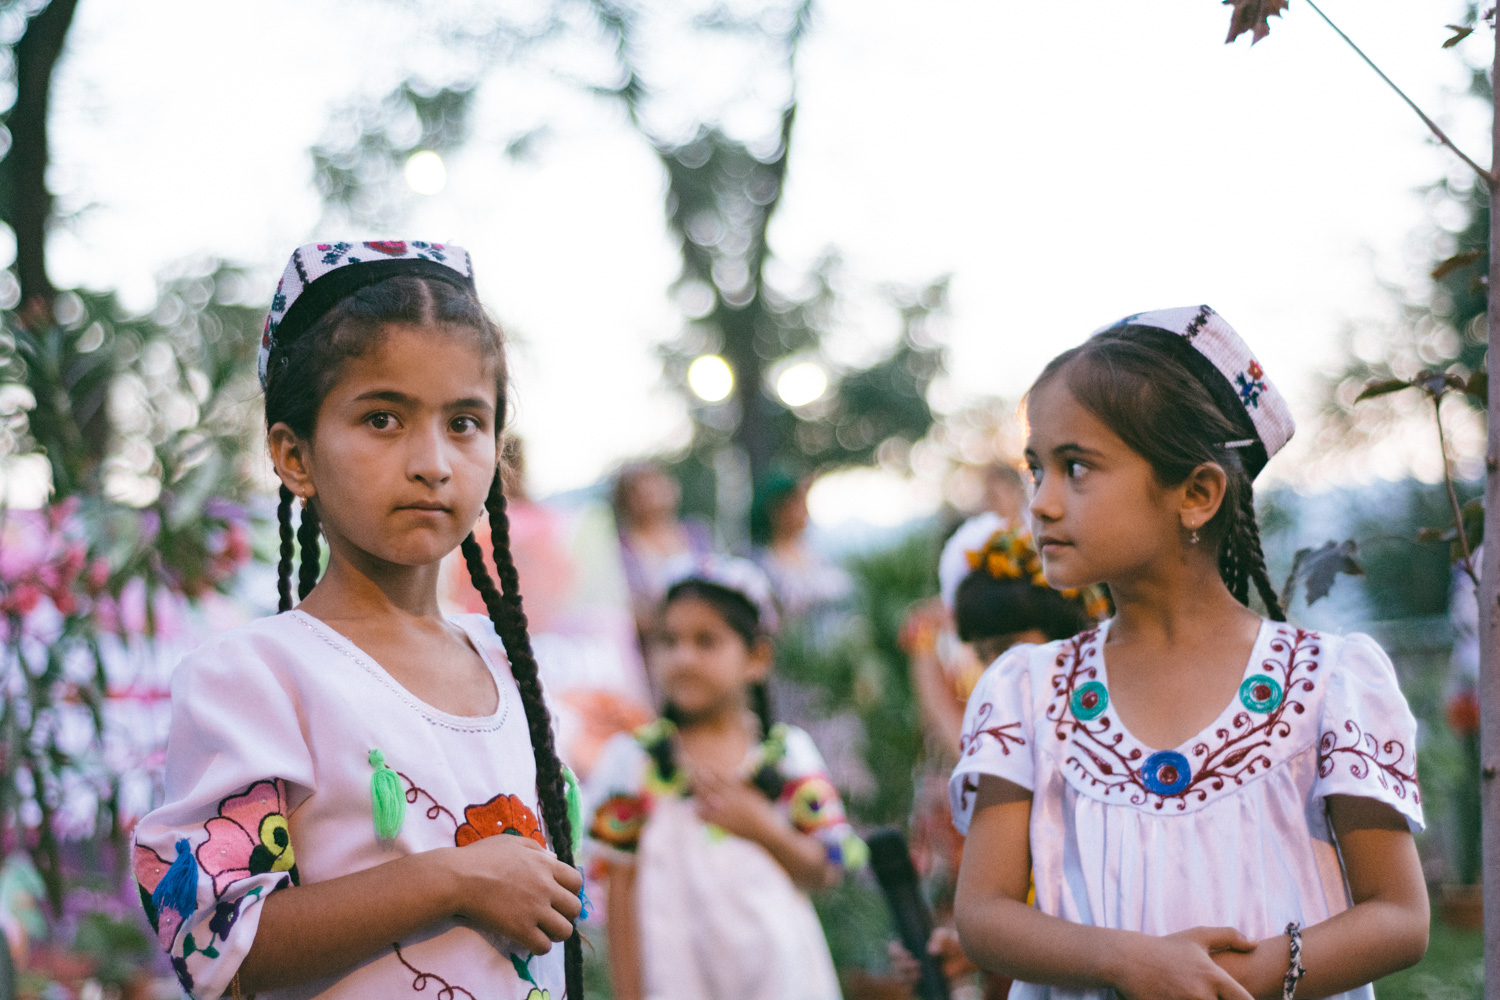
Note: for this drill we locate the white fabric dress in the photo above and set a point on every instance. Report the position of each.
(719, 918)
(268, 784)
(1229, 828)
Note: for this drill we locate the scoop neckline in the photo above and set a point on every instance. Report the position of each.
(1220, 721)
(349, 648)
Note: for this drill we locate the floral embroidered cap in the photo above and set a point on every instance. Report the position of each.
(1223, 363)
(321, 274)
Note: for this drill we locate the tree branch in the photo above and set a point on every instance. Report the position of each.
(1458, 512)
(1441, 135)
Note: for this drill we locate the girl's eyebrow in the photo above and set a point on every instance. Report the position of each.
(1072, 448)
(402, 399)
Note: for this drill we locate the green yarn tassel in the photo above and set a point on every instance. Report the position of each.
(575, 804)
(388, 797)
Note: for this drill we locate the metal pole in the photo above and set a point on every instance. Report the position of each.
(1489, 596)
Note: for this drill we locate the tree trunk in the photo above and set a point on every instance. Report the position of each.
(28, 203)
(1489, 594)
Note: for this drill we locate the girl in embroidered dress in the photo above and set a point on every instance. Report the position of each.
(714, 822)
(1230, 802)
(285, 861)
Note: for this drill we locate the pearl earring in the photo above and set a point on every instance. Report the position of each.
(1194, 538)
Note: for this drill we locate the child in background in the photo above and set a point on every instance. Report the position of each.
(717, 823)
(990, 585)
(284, 861)
(1212, 803)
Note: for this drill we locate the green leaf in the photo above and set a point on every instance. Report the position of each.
(1478, 388)
(1319, 568)
(1382, 387)
(1457, 262)
(1459, 34)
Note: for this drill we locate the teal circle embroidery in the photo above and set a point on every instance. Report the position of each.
(1260, 693)
(1089, 701)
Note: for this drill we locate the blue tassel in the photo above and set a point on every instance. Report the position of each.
(178, 888)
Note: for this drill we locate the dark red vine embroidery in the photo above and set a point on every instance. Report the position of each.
(419, 982)
(1366, 753)
(968, 743)
(1236, 753)
(434, 810)
(967, 789)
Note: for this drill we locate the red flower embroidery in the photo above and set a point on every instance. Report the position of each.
(503, 814)
(968, 743)
(150, 867)
(618, 822)
(393, 248)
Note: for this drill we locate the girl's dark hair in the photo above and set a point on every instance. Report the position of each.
(743, 618)
(985, 607)
(300, 376)
(1132, 381)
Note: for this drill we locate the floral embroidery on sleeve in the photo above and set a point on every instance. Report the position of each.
(619, 821)
(968, 743)
(1366, 754)
(249, 837)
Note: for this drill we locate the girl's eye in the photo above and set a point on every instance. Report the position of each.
(381, 421)
(464, 425)
(1074, 469)
(1034, 472)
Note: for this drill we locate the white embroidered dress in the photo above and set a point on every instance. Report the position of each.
(1230, 827)
(718, 917)
(268, 783)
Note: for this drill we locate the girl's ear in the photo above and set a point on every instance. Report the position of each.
(761, 656)
(1202, 495)
(292, 458)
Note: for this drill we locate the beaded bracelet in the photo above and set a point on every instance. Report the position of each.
(1295, 970)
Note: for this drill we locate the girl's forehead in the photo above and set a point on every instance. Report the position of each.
(425, 361)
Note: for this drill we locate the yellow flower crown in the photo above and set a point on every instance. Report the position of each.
(1010, 555)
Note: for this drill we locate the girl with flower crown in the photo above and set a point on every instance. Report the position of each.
(363, 798)
(1213, 803)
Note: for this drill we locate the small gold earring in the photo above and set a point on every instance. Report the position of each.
(1193, 539)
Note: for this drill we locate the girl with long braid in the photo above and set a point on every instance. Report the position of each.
(363, 798)
(1226, 808)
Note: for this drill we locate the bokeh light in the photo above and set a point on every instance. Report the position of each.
(710, 378)
(802, 383)
(425, 172)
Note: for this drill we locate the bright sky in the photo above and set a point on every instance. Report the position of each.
(1066, 163)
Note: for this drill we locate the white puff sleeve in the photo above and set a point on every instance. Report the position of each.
(1367, 743)
(237, 768)
(615, 798)
(812, 803)
(998, 733)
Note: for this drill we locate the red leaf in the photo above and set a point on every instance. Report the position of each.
(1459, 34)
(1253, 16)
(1455, 263)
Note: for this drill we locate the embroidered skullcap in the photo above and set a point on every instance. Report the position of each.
(953, 563)
(1208, 347)
(742, 577)
(320, 275)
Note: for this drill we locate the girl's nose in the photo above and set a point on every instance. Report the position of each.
(428, 460)
(1046, 501)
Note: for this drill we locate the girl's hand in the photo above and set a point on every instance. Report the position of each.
(1179, 966)
(730, 802)
(515, 887)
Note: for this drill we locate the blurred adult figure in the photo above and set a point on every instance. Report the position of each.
(1005, 493)
(656, 545)
(807, 584)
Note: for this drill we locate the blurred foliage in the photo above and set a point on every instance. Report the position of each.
(722, 192)
(1452, 969)
(144, 425)
(1406, 577)
(866, 670)
(357, 167)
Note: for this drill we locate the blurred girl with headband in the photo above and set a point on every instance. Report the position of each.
(285, 861)
(715, 821)
(1214, 803)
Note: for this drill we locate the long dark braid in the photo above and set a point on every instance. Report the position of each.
(509, 618)
(1252, 559)
(307, 541)
(1233, 567)
(284, 567)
